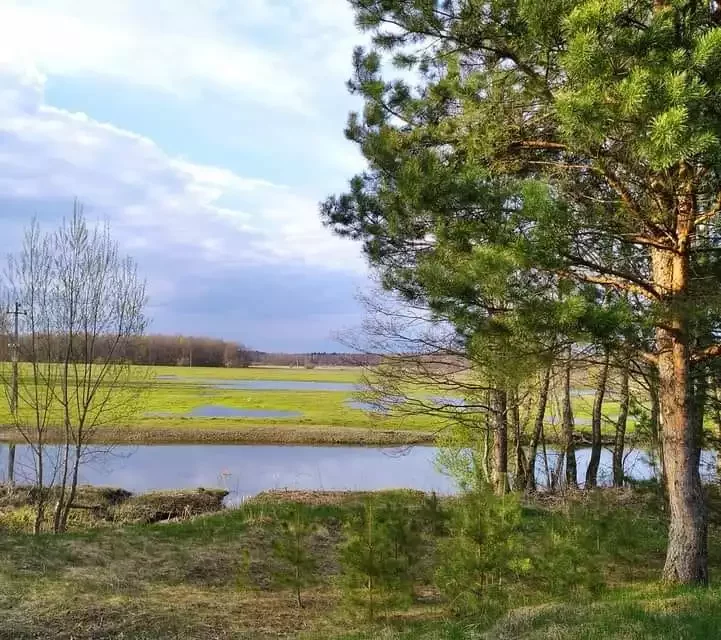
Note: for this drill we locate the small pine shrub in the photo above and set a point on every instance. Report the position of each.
(434, 516)
(403, 529)
(483, 554)
(376, 560)
(292, 549)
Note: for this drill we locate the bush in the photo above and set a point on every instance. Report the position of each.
(291, 547)
(483, 554)
(377, 558)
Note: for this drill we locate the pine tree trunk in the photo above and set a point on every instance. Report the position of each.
(597, 416)
(619, 441)
(537, 430)
(499, 406)
(687, 551)
(568, 424)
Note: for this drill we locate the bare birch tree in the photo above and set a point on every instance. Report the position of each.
(84, 305)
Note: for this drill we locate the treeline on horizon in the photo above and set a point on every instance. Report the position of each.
(198, 351)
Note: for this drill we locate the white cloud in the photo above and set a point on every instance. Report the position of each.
(277, 53)
(264, 78)
(161, 206)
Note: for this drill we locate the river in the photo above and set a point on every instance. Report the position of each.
(246, 470)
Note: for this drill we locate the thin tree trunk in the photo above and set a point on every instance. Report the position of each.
(597, 415)
(499, 405)
(40, 507)
(556, 482)
(655, 426)
(717, 420)
(538, 430)
(700, 389)
(486, 460)
(11, 465)
(57, 513)
(546, 468)
(521, 466)
(73, 489)
(569, 446)
(65, 382)
(619, 440)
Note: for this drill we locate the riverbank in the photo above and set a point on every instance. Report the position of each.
(229, 432)
(99, 506)
(222, 431)
(217, 576)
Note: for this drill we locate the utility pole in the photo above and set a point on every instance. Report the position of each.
(14, 348)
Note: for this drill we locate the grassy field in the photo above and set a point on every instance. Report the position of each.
(325, 416)
(214, 577)
(324, 374)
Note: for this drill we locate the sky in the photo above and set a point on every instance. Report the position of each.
(205, 132)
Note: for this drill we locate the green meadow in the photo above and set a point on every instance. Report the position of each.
(164, 397)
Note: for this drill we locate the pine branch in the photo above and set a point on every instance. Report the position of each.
(547, 145)
(710, 213)
(612, 277)
(713, 351)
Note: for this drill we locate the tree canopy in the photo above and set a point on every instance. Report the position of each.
(535, 166)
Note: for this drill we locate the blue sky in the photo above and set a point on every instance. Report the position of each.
(205, 132)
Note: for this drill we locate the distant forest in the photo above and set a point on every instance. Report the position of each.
(177, 350)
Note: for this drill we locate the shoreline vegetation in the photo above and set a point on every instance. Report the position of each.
(228, 431)
(235, 433)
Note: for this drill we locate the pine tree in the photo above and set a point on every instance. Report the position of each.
(375, 567)
(292, 548)
(482, 557)
(544, 154)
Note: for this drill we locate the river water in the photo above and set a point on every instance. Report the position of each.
(246, 470)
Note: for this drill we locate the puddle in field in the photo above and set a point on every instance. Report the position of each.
(216, 411)
(383, 405)
(366, 406)
(212, 411)
(451, 402)
(266, 385)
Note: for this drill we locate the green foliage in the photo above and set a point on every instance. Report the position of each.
(532, 164)
(377, 558)
(483, 554)
(500, 554)
(434, 515)
(291, 548)
(565, 557)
